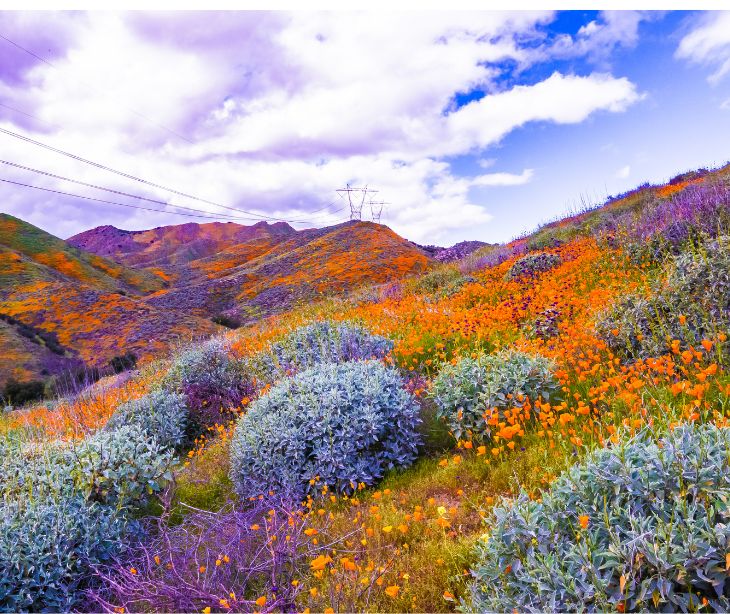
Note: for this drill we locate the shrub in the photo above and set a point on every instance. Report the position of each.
(477, 391)
(442, 282)
(227, 321)
(531, 265)
(690, 304)
(160, 414)
(19, 393)
(641, 526)
(124, 362)
(120, 467)
(49, 548)
(116, 468)
(321, 342)
(340, 424)
(211, 382)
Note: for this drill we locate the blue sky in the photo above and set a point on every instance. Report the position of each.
(679, 125)
(473, 125)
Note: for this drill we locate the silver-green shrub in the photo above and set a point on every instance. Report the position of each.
(645, 524)
(49, 547)
(317, 343)
(689, 303)
(340, 424)
(160, 413)
(120, 467)
(475, 387)
(532, 264)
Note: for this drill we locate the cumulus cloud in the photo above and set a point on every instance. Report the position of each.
(623, 172)
(270, 112)
(709, 44)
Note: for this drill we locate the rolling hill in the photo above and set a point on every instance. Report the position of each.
(106, 291)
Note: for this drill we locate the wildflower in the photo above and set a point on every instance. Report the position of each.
(261, 601)
(133, 571)
(320, 562)
(206, 610)
(448, 596)
(392, 591)
(255, 527)
(583, 520)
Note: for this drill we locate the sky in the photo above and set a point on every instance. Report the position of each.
(470, 125)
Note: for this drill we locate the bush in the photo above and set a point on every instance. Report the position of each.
(477, 391)
(442, 282)
(211, 382)
(125, 362)
(116, 468)
(341, 424)
(120, 467)
(49, 549)
(160, 414)
(642, 526)
(690, 304)
(531, 265)
(321, 342)
(19, 393)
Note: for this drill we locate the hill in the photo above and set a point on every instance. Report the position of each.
(245, 272)
(106, 292)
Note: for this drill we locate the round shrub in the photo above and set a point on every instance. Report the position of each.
(211, 381)
(160, 413)
(49, 548)
(340, 424)
(321, 342)
(468, 393)
(640, 526)
(532, 264)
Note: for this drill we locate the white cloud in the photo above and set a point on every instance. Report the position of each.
(725, 105)
(284, 108)
(503, 179)
(623, 172)
(709, 44)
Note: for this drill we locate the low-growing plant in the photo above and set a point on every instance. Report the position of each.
(160, 413)
(334, 424)
(236, 560)
(317, 343)
(473, 394)
(635, 527)
(531, 265)
(689, 304)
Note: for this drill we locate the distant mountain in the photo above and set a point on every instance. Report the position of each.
(455, 252)
(108, 291)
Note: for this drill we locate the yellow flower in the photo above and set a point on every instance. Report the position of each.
(392, 591)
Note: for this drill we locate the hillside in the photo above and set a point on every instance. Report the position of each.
(143, 291)
(245, 272)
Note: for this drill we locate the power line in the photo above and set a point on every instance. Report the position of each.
(108, 202)
(120, 193)
(133, 177)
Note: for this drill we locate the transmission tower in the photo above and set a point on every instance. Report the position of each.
(356, 204)
(376, 209)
